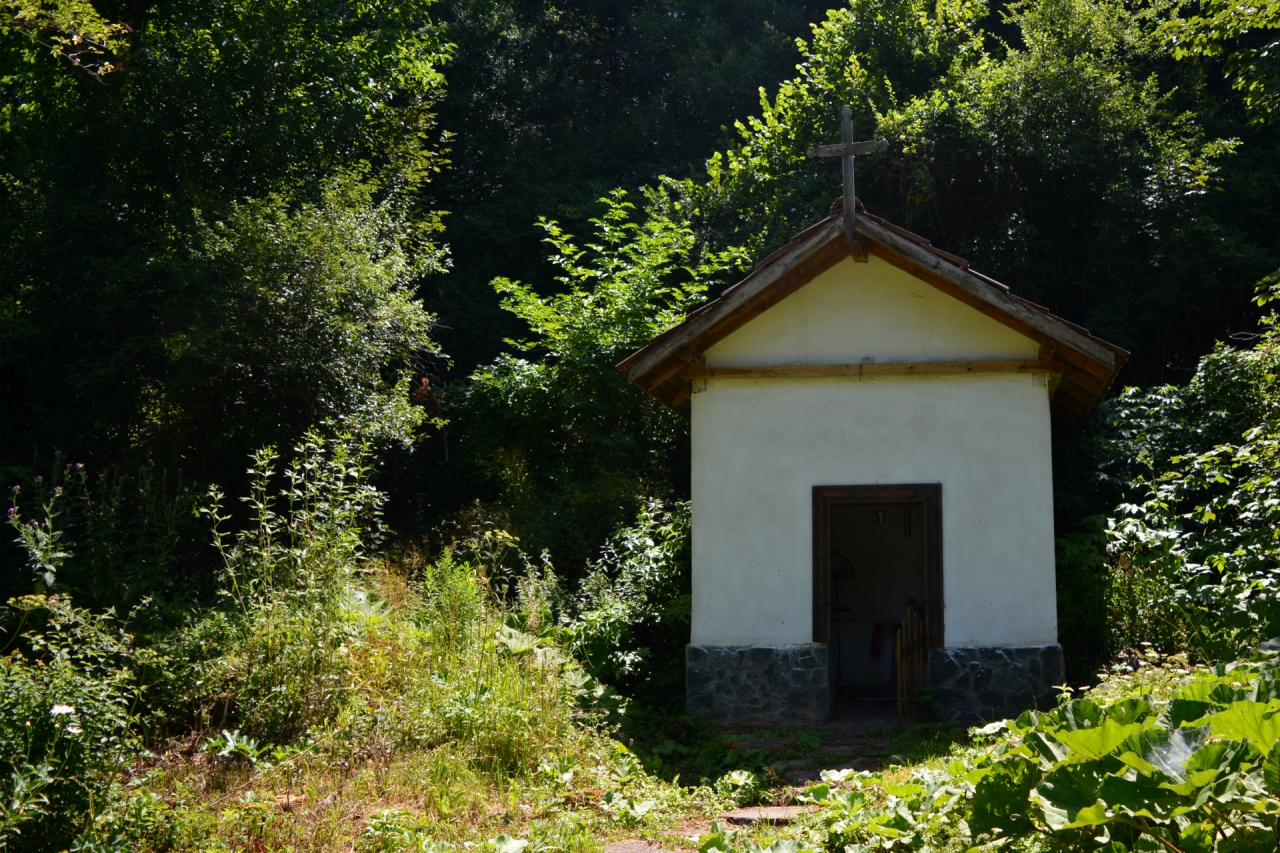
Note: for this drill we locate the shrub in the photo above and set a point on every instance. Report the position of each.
(67, 701)
(568, 443)
(448, 669)
(1194, 558)
(633, 608)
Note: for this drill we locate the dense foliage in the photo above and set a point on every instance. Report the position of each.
(67, 719)
(1245, 34)
(1187, 558)
(554, 105)
(632, 616)
(1056, 144)
(1059, 145)
(570, 447)
(1192, 768)
(304, 657)
(210, 248)
(222, 230)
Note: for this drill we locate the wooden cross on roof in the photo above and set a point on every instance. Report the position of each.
(846, 150)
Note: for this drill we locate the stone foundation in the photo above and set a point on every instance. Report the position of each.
(759, 685)
(993, 682)
(772, 685)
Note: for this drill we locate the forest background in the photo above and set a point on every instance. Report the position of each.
(413, 239)
(223, 226)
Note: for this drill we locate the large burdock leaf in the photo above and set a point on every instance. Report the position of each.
(1046, 747)
(1168, 752)
(1185, 710)
(785, 845)
(1094, 743)
(1069, 797)
(1199, 837)
(1000, 797)
(1080, 714)
(1131, 710)
(1208, 764)
(1254, 722)
(1271, 771)
(517, 641)
(1143, 797)
(506, 844)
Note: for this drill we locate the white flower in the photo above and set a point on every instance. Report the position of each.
(59, 710)
(75, 730)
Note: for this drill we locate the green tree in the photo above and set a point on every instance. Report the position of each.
(302, 314)
(568, 446)
(1055, 143)
(556, 104)
(69, 29)
(131, 247)
(1243, 33)
(1068, 155)
(213, 245)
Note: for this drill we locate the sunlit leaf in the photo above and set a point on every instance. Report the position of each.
(1101, 740)
(1068, 797)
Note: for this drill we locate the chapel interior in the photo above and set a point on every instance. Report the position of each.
(879, 565)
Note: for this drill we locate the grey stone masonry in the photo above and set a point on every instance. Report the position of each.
(760, 685)
(993, 682)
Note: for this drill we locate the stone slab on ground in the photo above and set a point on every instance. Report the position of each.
(635, 846)
(868, 748)
(775, 815)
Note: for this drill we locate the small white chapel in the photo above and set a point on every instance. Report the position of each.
(872, 488)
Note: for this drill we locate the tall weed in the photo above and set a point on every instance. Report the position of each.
(449, 667)
(291, 587)
(133, 531)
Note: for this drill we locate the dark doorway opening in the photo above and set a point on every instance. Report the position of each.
(877, 568)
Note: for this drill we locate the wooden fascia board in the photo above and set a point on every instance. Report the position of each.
(826, 256)
(1081, 364)
(1069, 390)
(657, 377)
(736, 298)
(873, 369)
(992, 296)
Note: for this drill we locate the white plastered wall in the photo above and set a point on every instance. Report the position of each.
(759, 446)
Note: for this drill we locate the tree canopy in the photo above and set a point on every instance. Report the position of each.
(1055, 144)
(209, 242)
(222, 224)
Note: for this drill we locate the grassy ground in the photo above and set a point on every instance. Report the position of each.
(457, 728)
(442, 723)
(657, 778)
(629, 786)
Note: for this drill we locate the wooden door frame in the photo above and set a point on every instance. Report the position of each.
(825, 497)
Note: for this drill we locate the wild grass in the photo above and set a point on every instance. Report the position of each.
(337, 697)
(455, 729)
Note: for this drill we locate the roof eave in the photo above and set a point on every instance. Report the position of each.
(1090, 367)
